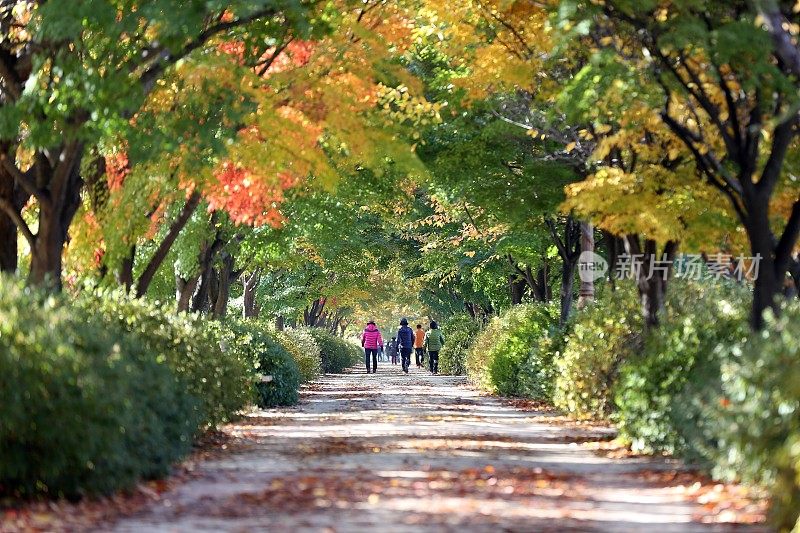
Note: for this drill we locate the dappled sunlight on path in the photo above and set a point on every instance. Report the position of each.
(396, 452)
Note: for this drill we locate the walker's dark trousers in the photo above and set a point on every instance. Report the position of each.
(434, 361)
(406, 355)
(374, 353)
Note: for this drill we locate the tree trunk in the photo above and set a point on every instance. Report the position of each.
(46, 254)
(125, 273)
(615, 245)
(206, 266)
(250, 308)
(652, 271)
(227, 276)
(201, 296)
(569, 249)
(586, 291)
(517, 287)
(184, 290)
(8, 229)
(567, 281)
(794, 272)
(471, 310)
(313, 312)
(335, 320)
(767, 285)
(280, 323)
(55, 216)
(542, 292)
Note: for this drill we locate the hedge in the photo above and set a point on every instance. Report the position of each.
(304, 349)
(277, 376)
(502, 360)
(460, 332)
(87, 408)
(600, 337)
(190, 344)
(661, 392)
(102, 390)
(337, 354)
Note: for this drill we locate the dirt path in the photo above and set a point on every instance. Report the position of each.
(395, 452)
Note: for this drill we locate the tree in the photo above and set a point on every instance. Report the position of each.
(300, 111)
(71, 77)
(729, 94)
(643, 187)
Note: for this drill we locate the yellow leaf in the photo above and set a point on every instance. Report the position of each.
(570, 147)
(603, 128)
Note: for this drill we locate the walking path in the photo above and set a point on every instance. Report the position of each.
(396, 452)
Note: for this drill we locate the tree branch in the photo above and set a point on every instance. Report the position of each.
(709, 166)
(273, 56)
(783, 250)
(782, 138)
(7, 207)
(25, 182)
(165, 58)
(562, 251)
(733, 114)
(785, 48)
(161, 252)
(507, 25)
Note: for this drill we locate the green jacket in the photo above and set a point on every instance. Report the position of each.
(434, 340)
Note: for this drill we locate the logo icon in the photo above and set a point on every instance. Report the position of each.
(591, 266)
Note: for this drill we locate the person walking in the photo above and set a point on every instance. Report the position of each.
(391, 347)
(434, 342)
(370, 340)
(419, 345)
(405, 338)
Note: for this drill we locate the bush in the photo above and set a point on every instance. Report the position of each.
(601, 337)
(460, 332)
(661, 393)
(337, 354)
(277, 375)
(538, 372)
(501, 354)
(86, 407)
(304, 349)
(756, 420)
(189, 344)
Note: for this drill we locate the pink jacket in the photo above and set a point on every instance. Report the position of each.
(371, 338)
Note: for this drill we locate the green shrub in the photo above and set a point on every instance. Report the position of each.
(277, 375)
(496, 359)
(86, 408)
(337, 354)
(460, 332)
(601, 336)
(538, 371)
(661, 393)
(190, 345)
(304, 349)
(756, 420)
